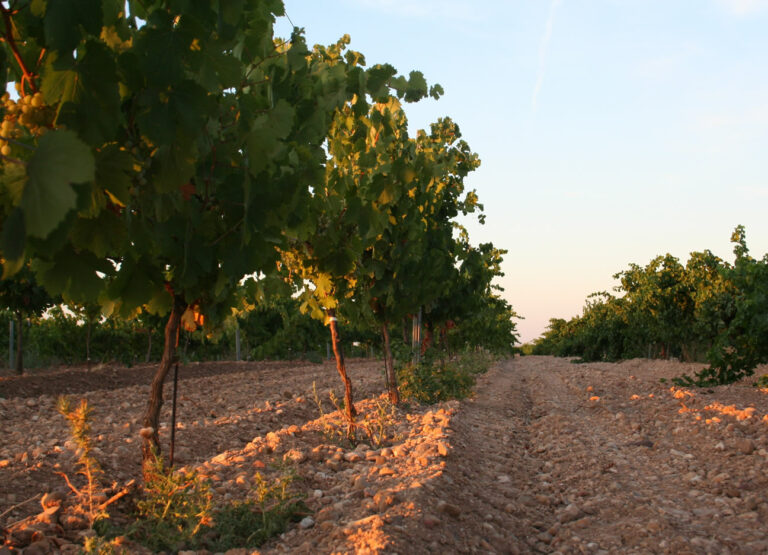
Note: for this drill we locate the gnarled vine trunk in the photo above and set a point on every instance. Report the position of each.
(150, 422)
(339, 354)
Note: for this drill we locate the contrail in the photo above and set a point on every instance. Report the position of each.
(543, 54)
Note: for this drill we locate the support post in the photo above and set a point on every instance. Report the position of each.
(11, 358)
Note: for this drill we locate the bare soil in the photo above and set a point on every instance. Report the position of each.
(547, 457)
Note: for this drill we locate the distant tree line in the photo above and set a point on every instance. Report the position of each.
(704, 310)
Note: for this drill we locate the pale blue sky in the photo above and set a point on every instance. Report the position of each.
(610, 130)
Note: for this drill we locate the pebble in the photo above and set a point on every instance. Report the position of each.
(306, 523)
(570, 513)
(448, 508)
(744, 445)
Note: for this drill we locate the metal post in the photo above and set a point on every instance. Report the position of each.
(328, 350)
(237, 343)
(416, 337)
(11, 359)
(173, 411)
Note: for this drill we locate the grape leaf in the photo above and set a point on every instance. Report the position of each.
(59, 160)
(14, 235)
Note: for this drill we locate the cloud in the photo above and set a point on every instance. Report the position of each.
(543, 51)
(744, 7)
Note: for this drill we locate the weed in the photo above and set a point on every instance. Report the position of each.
(176, 512)
(373, 427)
(377, 425)
(267, 513)
(331, 433)
(175, 508)
(91, 495)
(431, 381)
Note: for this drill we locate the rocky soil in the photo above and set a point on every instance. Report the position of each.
(547, 457)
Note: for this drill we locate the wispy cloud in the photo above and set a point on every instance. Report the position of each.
(543, 51)
(744, 7)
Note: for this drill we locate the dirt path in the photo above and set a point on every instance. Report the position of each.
(555, 457)
(547, 457)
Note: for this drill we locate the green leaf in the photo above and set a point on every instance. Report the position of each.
(86, 87)
(264, 142)
(162, 51)
(12, 267)
(102, 235)
(135, 288)
(65, 20)
(37, 7)
(59, 160)
(14, 179)
(14, 236)
(113, 173)
(172, 167)
(417, 87)
(73, 275)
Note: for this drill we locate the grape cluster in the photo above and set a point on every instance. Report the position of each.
(26, 117)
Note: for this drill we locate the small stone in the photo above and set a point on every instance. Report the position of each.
(569, 514)
(744, 445)
(503, 479)
(430, 521)
(352, 457)
(72, 522)
(41, 547)
(449, 509)
(359, 483)
(386, 471)
(442, 449)
(306, 523)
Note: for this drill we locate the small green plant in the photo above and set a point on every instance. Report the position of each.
(331, 433)
(174, 509)
(762, 381)
(374, 427)
(176, 512)
(431, 381)
(267, 513)
(90, 495)
(98, 545)
(377, 425)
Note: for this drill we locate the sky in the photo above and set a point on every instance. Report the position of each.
(610, 131)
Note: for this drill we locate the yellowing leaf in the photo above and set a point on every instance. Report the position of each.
(188, 320)
(386, 196)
